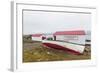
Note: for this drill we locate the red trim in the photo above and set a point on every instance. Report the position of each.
(76, 32)
(61, 48)
(36, 35)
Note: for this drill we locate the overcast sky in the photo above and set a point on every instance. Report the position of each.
(47, 22)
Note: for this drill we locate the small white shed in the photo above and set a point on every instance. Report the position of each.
(37, 37)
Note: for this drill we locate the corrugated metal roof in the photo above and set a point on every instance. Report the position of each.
(37, 35)
(76, 32)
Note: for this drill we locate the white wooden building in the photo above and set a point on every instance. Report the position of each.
(77, 36)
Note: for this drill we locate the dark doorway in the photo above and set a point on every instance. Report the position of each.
(55, 38)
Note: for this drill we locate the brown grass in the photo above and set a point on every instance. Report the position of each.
(35, 52)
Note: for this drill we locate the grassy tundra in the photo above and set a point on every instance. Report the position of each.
(34, 51)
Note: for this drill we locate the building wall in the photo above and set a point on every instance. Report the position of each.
(79, 39)
(37, 38)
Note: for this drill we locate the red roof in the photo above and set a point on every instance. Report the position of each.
(36, 35)
(76, 32)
